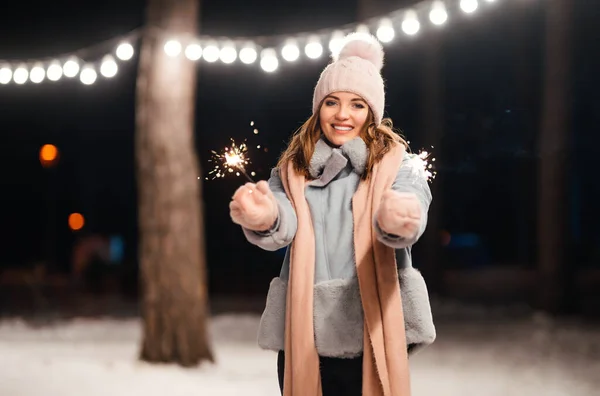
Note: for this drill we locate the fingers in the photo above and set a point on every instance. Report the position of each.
(402, 204)
(247, 188)
(410, 228)
(400, 213)
(235, 212)
(414, 211)
(245, 195)
(264, 193)
(263, 187)
(234, 206)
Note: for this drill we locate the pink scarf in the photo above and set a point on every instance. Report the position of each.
(385, 358)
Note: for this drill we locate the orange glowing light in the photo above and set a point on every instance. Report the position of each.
(48, 154)
(76, 221)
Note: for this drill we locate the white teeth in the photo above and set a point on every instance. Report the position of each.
(340, 128)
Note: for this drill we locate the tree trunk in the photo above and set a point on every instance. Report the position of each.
(553, 147)
(172, 250)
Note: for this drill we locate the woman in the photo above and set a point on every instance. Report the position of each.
(347, 306)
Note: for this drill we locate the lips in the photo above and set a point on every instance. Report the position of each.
(342, 128)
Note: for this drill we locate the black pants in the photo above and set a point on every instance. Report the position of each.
(339, 377)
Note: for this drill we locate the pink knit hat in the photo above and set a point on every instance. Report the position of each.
(357, 69)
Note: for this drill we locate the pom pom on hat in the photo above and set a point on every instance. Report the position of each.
(364, 46)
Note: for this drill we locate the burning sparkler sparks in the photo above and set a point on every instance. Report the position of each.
(423, 165)
(232, 159)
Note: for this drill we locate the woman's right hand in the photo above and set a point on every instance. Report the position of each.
(254, 206)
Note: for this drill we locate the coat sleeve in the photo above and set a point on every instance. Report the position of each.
(283, 231)
(411, 178)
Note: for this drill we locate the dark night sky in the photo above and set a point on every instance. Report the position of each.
(486, 137)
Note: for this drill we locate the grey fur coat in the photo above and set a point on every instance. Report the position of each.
(338, 315)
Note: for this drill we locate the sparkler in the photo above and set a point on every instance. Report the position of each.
(423, 165)
(232, 159)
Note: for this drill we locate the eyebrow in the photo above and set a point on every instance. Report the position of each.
(353, 99)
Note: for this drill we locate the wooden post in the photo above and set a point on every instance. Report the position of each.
(172, 250)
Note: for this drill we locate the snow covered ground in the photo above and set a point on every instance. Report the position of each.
(481, 358)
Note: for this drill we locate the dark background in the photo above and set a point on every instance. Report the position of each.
(492, 67)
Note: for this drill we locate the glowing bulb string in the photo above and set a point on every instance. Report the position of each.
(86, 52)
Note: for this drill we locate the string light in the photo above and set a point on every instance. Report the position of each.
(227, 50)
(172, 48)
(228, 54)
(124, 51)
(248, 54)
(268, 61)
(88, 75)
(21, 75)
(313, 48)
(37, 73)
(438, 15)
(469, 6)
(193, 51)
(410, 24)
(336, 42)
(290, 51)
(71, 68)
(54, 72)
(5, 75)
(109, 67)
(211, 52)
(385, 32)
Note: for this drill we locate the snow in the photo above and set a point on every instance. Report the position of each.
(493, 357)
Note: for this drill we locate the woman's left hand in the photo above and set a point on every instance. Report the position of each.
(399, 214)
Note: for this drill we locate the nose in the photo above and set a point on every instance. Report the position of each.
(342, 113)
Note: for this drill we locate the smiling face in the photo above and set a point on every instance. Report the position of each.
(342, 117)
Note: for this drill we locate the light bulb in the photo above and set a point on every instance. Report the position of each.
(228, 54)
(385, 32)
(290, 51)
(336, 42)
(211, 53)
(124, 51)
(88, 75)
(193, 52)
(109, 67)
(248, 54)
(71, 67)
(21, 75)
(37, 73)
(313, 48)
(54, 72)
(410, 24)
(268, 61)
(5, 74)
(438, 14)
(468, 6)
(172, 48)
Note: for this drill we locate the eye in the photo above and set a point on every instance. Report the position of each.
(330, 103)
(359, 105)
